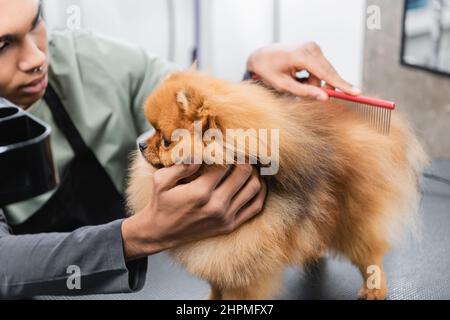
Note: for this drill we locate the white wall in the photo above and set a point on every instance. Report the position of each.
(231, 29)
(144, 22)
(238, 27)
(235, 29)
(337, 26)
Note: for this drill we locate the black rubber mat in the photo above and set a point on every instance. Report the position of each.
(417, 270)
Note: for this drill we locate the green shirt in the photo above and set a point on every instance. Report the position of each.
(103, 84)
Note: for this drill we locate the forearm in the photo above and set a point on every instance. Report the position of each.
(32, 265)
(138, 242)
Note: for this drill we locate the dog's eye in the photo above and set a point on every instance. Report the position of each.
(166, 144)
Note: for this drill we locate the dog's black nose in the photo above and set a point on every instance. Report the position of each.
(143, 146)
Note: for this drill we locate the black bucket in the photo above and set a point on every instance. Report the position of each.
(26, 162)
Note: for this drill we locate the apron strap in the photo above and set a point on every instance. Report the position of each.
(63, 121)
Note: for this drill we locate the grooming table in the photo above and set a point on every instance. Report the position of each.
(416, 270)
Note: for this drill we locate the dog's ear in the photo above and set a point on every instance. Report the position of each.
(194, 106)
(190, 103)
(193, 67)
(183, 101)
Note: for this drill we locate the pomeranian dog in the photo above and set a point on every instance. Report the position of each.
(341, 187)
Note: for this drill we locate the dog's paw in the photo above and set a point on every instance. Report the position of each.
(372, 294)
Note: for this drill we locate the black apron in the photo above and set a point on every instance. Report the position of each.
(86, 194)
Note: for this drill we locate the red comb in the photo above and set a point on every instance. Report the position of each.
(376, 111)
(360, 99)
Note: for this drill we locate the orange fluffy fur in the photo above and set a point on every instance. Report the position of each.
(341, 186)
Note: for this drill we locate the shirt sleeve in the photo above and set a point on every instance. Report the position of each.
(104, 63)
(89, 260)
(153, 70)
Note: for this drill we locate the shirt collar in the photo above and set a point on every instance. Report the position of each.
(4, 102)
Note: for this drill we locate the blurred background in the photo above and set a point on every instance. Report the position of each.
(396, 50)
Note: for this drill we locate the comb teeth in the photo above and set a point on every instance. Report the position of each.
(379, 118)
(376, 112)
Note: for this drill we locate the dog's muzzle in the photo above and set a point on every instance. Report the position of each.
(143, 138)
